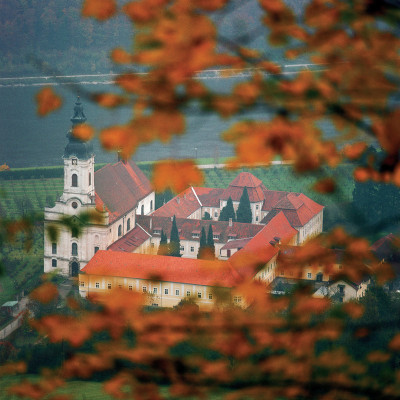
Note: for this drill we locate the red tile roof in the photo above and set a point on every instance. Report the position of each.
(259, 250)
(187, 227)
(167, 269)
(272, 197)
(246, 179)
(120, 187)
(209, 197)
(131, 241)
(236, 244)
(182, 205)
(298, 209)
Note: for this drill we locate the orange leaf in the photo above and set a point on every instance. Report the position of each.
(109, 100)
(176, 175)
(121, 56)
(326, 185)
(100, 9)
(45, 293)
(83, 132)
(47, 101)
(354, 151)
(354, 310)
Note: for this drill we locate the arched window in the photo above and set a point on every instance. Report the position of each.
(128, 224)
(74, 180)
(142, 210)
(74, 250)
(151, 205)
(90, 178)
(120, 230)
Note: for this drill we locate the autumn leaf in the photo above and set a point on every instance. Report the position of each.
(99, 9)
(83, 132)
(45, 293)
(47, 101)
(176, 175)
(325, 185)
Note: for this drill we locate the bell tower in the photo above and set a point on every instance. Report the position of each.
(78, 164)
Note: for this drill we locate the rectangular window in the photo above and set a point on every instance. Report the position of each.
(192, 249)
(157, 231)
(130, 287)
(182, 248)
(144, 288)
(309, 275)
(109, 285)
(54, 263)
(199, 295)
(188, 293)
(97, 285)
(210, 296)
(256, 206)
(195, 235)
(177, 292)
(155, 290)
(82, 283)
(96, 249)
(256, 219)
(54, 248)
(237, 299)
(216, 237)
(216, 214)
(341, 289)
(165, 291)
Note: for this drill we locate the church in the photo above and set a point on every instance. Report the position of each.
(117, 193)
(123, 199)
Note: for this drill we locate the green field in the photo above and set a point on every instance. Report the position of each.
(19, 196)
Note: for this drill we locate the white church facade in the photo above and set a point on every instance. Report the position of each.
(114, 194)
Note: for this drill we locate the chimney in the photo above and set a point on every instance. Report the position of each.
(230, 222)
(178, 200)
(172, 218)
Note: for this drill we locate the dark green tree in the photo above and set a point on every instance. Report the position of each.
(174, 242)
(228, 211)
(203, 243)
(210, 242)
(163, 247)
(243, 213)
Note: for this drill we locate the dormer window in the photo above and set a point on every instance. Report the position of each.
(196, 234)
(157, 231)
(216, 237)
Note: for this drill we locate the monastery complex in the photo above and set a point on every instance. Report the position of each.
(120, 249)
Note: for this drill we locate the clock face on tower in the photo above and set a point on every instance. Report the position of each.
(74, 161)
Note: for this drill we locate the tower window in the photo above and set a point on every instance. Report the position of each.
(90, 178)
(142, 210)
(120, 230)
(151, 205)
(128, 224)
(74, 249)
(54, 263)
(96, 249)
(74, 180)
(54, 248)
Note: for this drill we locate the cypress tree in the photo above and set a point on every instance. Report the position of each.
(203, 243)
(163, 247)
(243, 213)
(174, 242)
(228, 211)
(210, 243)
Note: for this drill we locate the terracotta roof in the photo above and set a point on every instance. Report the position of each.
(182, 205)
(209, 197)
(131, 241)
(387, 248)
(259, 250)
(246, 179)
(187, 227)
(120, 187)
(297, 207)
(236, 244)
(168, 269)
(271, 198)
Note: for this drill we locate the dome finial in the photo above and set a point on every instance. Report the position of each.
(79, 116)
